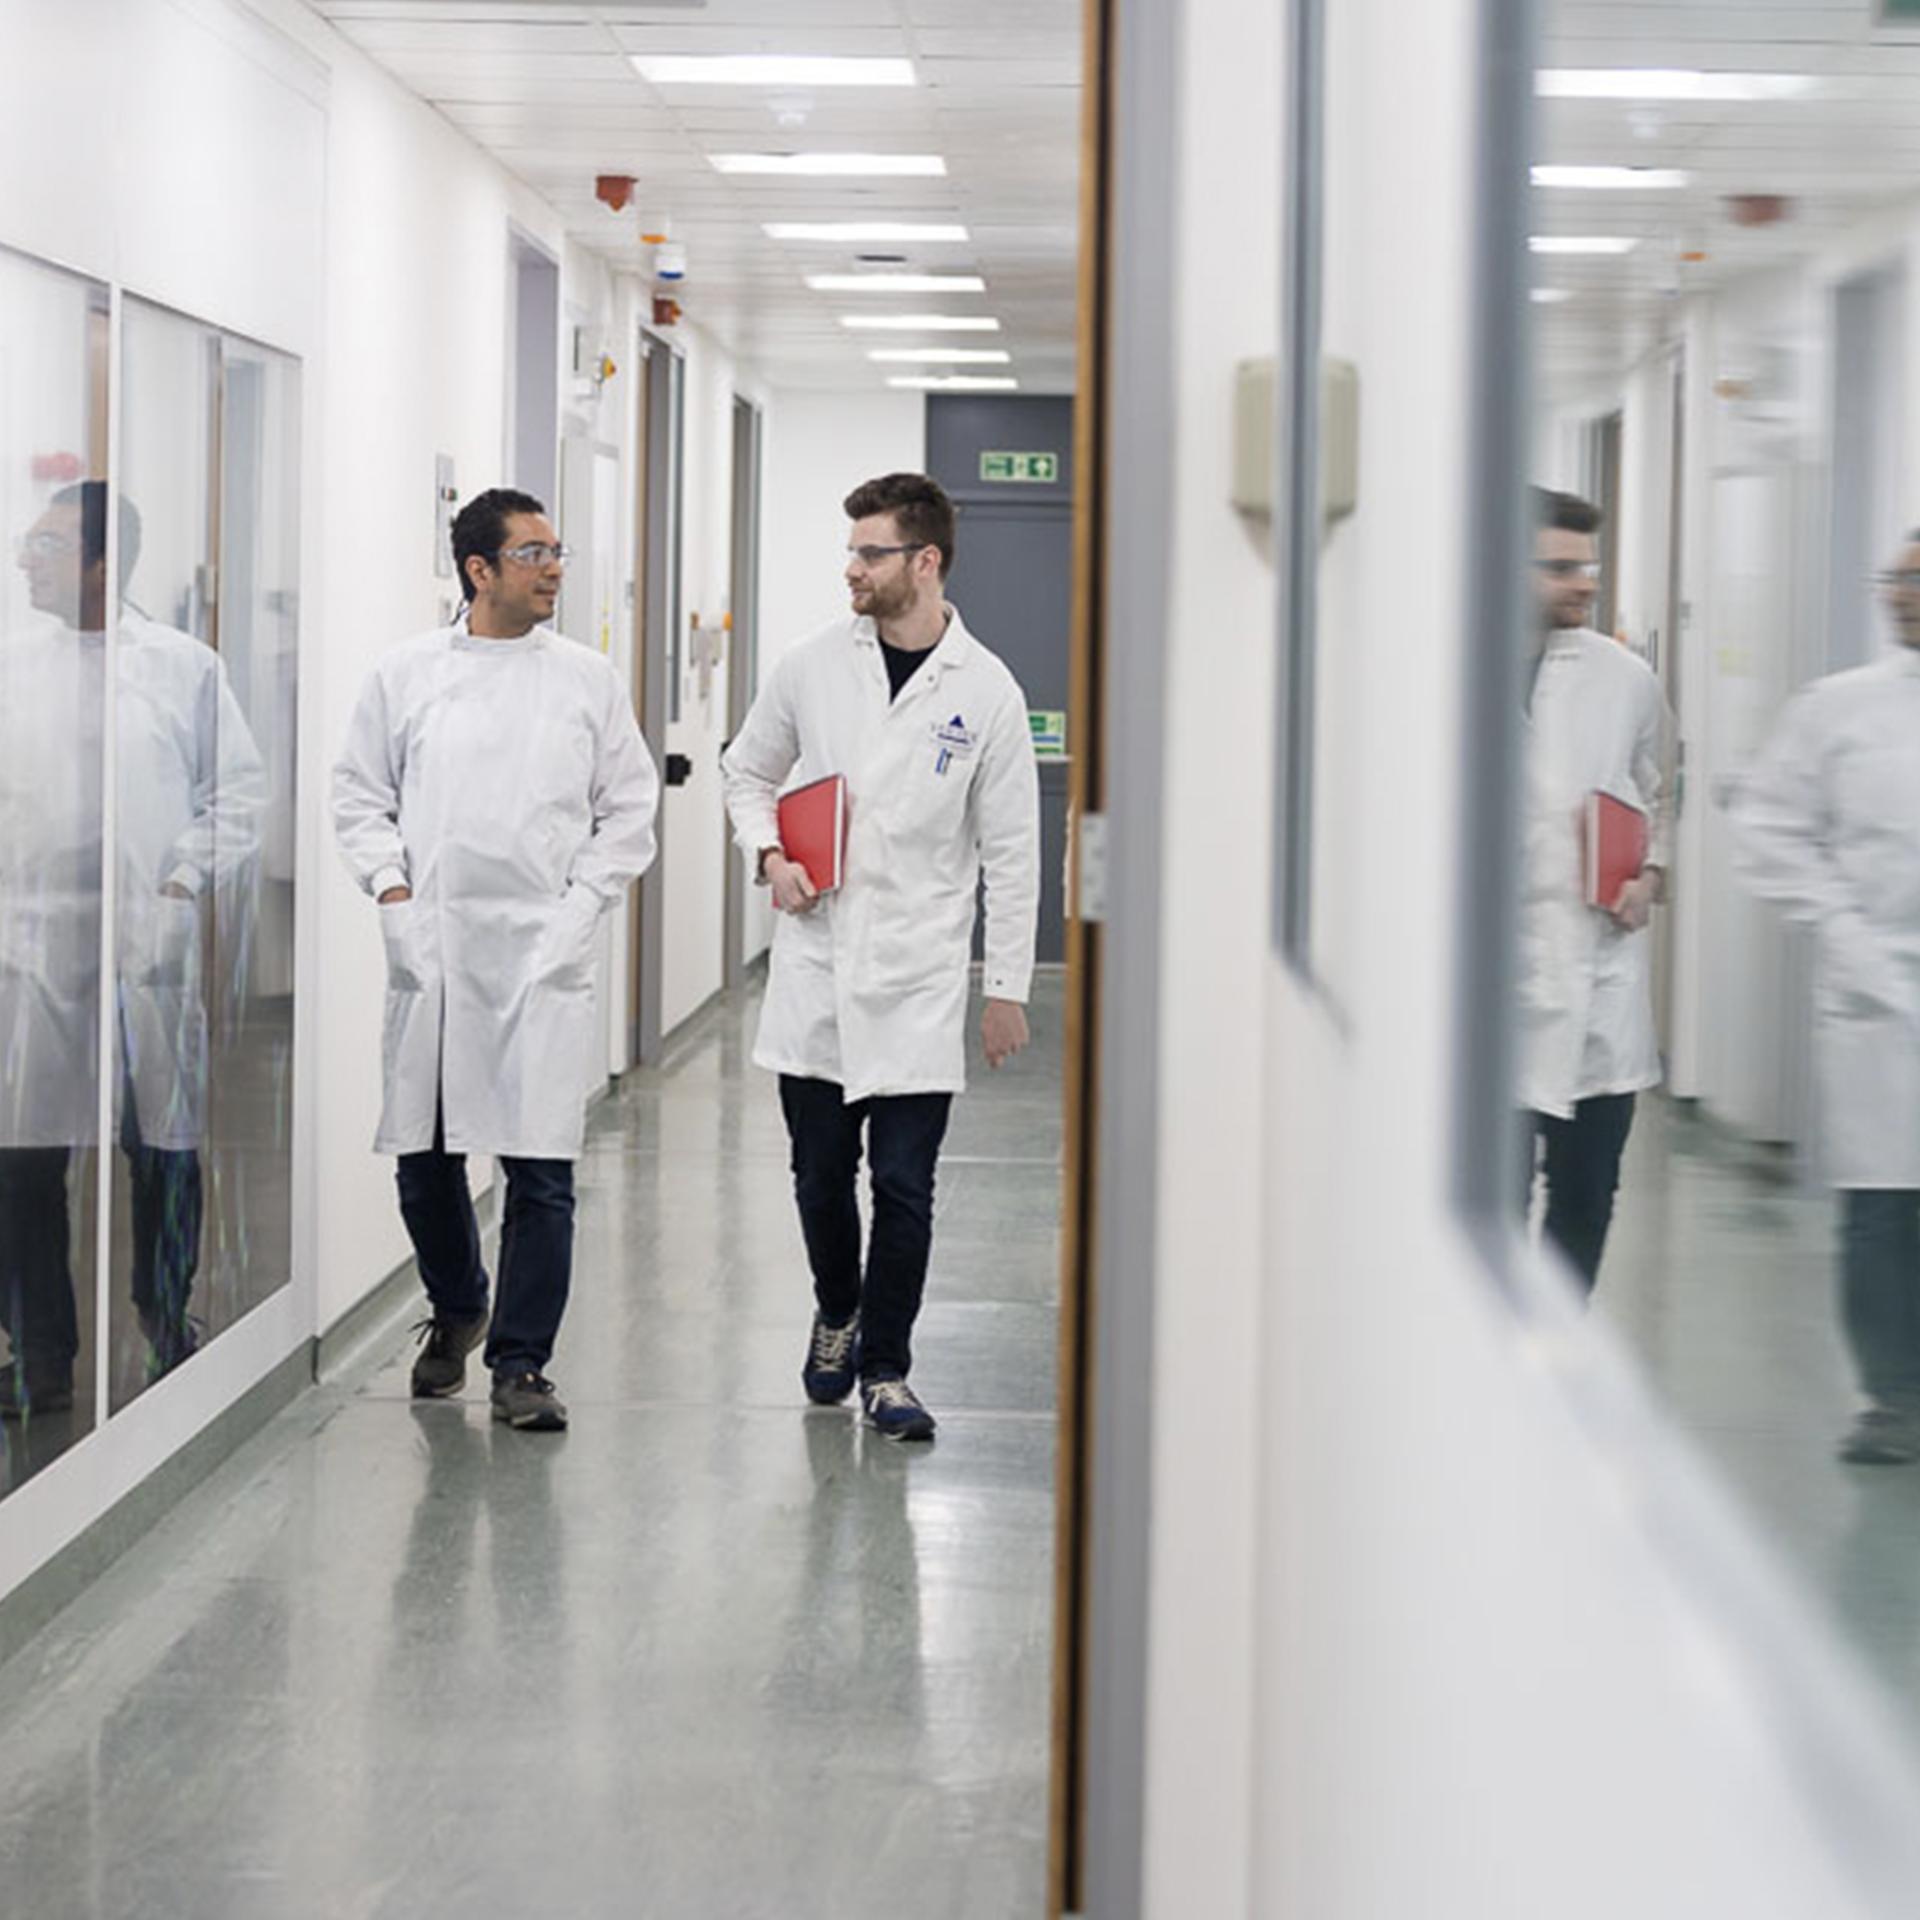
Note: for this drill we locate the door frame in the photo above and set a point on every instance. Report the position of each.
(743, 659)
(659, 474)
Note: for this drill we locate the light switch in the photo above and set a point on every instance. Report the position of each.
(1253, 403)
(1254, 396)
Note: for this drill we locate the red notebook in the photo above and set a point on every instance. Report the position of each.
(813, 829)
(1616, 848)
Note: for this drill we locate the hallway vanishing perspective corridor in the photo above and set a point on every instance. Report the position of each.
(709, 1653)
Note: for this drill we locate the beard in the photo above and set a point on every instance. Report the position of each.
(886, 602)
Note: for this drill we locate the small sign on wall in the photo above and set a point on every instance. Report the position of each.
(1049, 734)
(1031, 469)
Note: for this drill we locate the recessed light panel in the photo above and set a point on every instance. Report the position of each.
(955, 383)
(1596, 244)
(943, 356)
(852, 232)
(833, 166)
(920, 323)
(1612, 179)
(896, 283)
(769, 70)
(1667, 83)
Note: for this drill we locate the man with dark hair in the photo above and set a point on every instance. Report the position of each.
(191, 788)
(1596, 724)
(1827, 824)
(496, 799)
(865, 1015)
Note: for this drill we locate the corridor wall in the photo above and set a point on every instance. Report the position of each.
(239, 161)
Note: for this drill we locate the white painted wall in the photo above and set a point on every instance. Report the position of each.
(238, 160)
(818, 447)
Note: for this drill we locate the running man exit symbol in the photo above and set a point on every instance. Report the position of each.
(1032, 469)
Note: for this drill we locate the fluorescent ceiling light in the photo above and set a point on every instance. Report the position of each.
(944, 356)
(769, 70)
(1550, 296)
(954, 383)
(1605, 179)
(1582, 243)
(860, 230)
(920, 322)
(815, 166)
(896, 283)
(1667, 83)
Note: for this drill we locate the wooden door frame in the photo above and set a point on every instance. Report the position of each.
(1073, 1672)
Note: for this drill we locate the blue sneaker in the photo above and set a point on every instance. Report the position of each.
(833, 1359)
(893, 1408)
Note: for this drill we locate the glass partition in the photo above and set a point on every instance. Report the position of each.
(53, 435)
(205, 754)
(1714, 974)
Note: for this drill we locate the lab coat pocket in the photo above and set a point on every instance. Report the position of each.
(399, 934)
(567, 958)
(166, 943)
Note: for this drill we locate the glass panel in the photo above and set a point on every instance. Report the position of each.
(204, 737)
(53, 335)
(1720, 1059)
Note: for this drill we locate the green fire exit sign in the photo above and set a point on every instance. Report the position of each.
(1898, 13)
(1036, 469)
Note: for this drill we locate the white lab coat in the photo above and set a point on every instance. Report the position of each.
(506, 783)
(869, 989)
(1828, 824)
(191, 791)
(1598, 723)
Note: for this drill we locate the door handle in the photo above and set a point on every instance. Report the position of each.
(679, 769)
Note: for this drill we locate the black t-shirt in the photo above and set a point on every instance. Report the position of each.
(903, 663)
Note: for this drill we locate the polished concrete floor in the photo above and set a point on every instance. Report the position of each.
(1720, 1275)
(709, 1655)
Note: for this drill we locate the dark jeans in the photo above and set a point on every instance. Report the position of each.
(1581, 1161)
(536, 1248)
(36, 1275)
(903, 1132)
(1880, 1292)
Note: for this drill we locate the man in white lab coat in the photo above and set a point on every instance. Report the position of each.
(191, 789)
(1596, 723)
(496, 799)
(1828, 825)
(866, 1008)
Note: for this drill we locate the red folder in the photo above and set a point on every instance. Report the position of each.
(813, 830)
(1617, 838)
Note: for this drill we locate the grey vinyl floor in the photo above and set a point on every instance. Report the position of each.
(709, 1653)
(1720, 1275)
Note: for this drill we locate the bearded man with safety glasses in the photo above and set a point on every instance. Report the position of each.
(496, 798)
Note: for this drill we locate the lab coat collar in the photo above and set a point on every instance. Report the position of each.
(953, 649)
(469, 642)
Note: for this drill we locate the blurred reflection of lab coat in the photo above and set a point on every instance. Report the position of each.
(190, 789)
(1828, 825)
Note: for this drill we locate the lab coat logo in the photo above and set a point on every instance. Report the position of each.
(950, 740)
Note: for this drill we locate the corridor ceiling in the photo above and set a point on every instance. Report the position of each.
(549, 89)
(1839, 148)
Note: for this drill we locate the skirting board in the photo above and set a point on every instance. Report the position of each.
(35, 1601)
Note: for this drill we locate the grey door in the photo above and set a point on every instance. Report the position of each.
(1013, 577)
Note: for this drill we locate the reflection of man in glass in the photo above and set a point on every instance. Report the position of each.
(1596, 724)
(190, 787)
(1828, 825)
